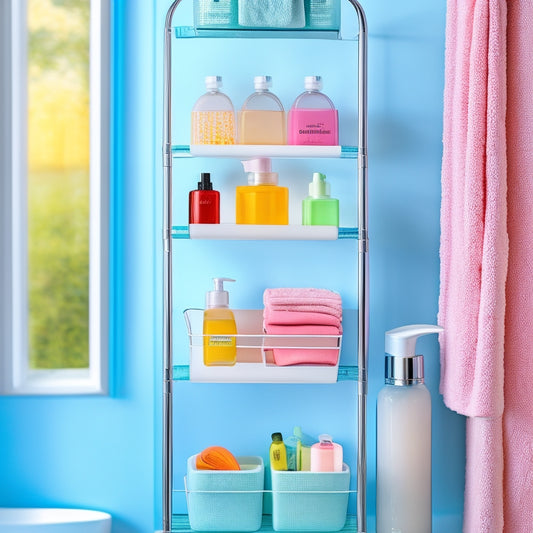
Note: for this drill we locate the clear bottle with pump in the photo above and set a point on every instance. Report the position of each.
(213, 116)
(403, 499)
(204, 202)
(262, 201)
(219, 328)
(262, 117)
(313, 119)
(319, 208)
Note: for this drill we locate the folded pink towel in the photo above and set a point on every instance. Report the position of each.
(300, 318)
(301, 356)
(303, 329)
(305, 308)
(287, 293)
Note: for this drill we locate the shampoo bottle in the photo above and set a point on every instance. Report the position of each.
(319, 208)
(262, 201)
(313, 119)
(213, 116)
(262, 117)
(219, 329)
(403, 499)
(278, 453)
(204, 203)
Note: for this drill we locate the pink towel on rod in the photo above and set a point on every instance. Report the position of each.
(474, 246)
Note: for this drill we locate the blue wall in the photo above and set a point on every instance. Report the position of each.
(101, 452)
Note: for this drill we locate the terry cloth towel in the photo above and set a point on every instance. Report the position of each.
(518, 414)
(474, 247)
(272, 13)
(303, 300)
(299, 318)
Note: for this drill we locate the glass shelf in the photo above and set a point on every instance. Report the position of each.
(189, 32)
(258, 232)
(246, 151)
(180, 524)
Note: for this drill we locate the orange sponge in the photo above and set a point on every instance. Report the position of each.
(216, 458)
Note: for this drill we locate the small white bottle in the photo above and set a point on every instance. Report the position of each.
(403, 499)
(213, 116)
(262, 117)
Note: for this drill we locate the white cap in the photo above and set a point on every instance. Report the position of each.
(260, 172)
(213, 82)
(262, 82)
(219, 297)
(313, 83)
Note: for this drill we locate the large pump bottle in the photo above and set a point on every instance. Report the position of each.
(403, 499)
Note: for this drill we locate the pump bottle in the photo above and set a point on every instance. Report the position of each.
(319, 208)
(403, 499)
(262, 201)
(204, 202)
(219, 328)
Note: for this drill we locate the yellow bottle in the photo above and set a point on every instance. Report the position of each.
(262, 201)
(278, 453)
(220, 346)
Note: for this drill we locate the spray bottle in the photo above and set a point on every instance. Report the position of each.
(403, 499)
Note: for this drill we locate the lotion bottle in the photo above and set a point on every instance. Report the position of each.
(219, 328)
(319, 208)
(262, 201)
(403, 499)
(204, 202)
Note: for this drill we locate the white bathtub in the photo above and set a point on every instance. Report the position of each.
(20, 520)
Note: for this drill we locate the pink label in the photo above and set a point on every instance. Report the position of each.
(313, 127)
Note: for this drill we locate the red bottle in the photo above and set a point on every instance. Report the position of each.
(204, 203)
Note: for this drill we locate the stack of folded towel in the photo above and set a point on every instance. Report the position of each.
(303, 311)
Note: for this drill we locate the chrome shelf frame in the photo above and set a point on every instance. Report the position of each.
(362, 281)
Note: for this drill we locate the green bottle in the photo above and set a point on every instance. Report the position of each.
(319, 209)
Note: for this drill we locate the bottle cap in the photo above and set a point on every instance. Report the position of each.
(205, 183)
(262, 82)
(277, 437)
(313, 83)
(219, 297)
(319, 187)
(213, 82)
(402, 366)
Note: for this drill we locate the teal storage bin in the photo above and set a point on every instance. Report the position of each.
(226, 500)
(310, 501)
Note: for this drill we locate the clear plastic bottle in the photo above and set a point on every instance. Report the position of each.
(313, 119)
(213, 116)
(262, 117)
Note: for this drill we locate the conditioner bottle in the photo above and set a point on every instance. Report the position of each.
(403, 499)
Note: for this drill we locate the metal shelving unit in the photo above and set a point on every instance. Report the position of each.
(359, 374)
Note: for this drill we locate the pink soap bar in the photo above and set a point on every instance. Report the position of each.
(313, 127)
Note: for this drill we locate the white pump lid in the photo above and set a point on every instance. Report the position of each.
(260, 171)
(219, 297)
(213, 82)
(402, 365)
(262, 82)
(313, 83)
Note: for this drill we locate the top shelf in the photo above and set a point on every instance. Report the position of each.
(189, 32)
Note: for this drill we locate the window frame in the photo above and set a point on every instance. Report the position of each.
(16, 377)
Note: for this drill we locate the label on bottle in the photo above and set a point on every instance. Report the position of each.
(313, 127)
(221, 340)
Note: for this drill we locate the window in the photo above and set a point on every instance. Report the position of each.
(54, 181)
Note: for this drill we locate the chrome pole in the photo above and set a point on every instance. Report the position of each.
(363, 270)
(167, 273)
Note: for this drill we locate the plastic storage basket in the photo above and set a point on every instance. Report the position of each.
(310, 501)
(226, 500)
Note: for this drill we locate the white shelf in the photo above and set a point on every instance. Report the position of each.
(263, 232)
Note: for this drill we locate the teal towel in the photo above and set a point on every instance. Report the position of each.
(272, 13)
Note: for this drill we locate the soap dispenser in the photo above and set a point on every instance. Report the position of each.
(219, 328)
(319, 208)
(403, 499)
(262, 201)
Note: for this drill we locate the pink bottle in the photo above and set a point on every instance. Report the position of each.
(326, 455)
(313, 119)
